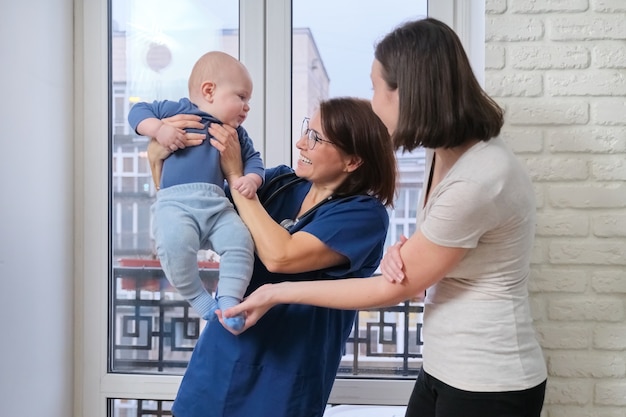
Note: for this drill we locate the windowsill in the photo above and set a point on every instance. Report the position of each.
(362, 391)
(365, 411)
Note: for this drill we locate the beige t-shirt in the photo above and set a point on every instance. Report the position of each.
(478, 333)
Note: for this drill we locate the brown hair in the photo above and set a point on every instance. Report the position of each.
(352, 126)
(441, 102)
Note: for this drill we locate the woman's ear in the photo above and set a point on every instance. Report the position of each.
(208, 90)
(352, 162)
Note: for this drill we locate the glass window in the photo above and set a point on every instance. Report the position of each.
(332, 52)
(154, 44)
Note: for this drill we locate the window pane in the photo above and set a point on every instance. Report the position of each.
(145, 408)
(332, 52)
(154, 44)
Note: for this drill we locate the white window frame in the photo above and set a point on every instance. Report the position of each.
(269, 60)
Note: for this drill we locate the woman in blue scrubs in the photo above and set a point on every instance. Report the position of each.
(326, 219)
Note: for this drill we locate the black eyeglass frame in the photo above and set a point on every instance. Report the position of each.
(312, 136)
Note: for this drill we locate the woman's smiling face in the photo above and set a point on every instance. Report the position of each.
(324, 165)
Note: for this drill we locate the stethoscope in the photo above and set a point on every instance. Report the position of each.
(294, 180)
(288, 223)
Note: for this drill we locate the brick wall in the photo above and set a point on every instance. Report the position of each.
(558, 67)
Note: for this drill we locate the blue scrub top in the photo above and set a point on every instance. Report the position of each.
(286, 364)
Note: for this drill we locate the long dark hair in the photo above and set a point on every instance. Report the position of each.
(352, 126)
(441, 102)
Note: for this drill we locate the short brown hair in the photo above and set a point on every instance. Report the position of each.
(353, 127)
(441, 102)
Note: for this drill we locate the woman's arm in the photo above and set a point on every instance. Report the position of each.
(425, 263)
(157, 153)
(279, 250)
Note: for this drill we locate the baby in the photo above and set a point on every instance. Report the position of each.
(191, 210)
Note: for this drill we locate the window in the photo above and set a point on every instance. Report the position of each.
(332, 51)
(152, 330)
(154, 44)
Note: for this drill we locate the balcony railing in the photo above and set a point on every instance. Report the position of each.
(154, 330)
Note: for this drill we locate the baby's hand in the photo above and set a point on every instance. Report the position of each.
(392, 266)
(171, 137)
(246, 186)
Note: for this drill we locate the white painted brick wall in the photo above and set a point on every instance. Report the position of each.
(558, 68)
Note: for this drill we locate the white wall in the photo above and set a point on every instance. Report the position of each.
(36, 200)
(559, 68)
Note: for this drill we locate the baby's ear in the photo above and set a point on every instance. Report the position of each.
(208, 89)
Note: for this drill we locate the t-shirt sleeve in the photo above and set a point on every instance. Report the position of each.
(459, 214)
(355, 228)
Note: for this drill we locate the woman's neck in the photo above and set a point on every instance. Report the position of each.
(315, 196)
(447, 157)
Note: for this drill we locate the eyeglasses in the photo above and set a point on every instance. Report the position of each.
(312, 136)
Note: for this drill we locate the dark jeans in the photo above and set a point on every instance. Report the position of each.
(433, 398)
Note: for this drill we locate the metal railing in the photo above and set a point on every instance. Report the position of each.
(153, 330)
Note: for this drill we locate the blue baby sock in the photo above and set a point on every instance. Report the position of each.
(235, 322)
(205, 305)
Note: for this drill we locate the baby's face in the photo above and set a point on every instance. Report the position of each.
(231, 100)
